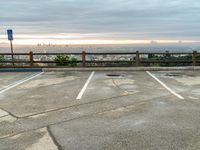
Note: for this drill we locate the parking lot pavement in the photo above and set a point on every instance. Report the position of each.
(9, 78)
(46, 92)
(117, 110)
(34, 140)
(186, 83)
(52, 91)
(162, 123)
(106, 85)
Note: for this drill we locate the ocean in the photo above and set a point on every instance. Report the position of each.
(102, 48)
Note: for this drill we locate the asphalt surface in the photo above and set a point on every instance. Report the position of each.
(118, 110)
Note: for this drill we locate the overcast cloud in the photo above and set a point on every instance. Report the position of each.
(115, 19)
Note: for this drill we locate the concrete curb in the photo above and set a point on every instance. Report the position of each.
(20, 70)
(99, 69)
(121, 69)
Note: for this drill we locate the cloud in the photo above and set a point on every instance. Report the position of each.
(118, 19)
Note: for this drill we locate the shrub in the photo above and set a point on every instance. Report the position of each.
(62, 60)
(65, 60)
(73, 61)
(2, 58)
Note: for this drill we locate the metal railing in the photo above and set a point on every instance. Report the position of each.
(133, 59)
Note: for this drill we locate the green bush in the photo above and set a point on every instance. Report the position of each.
(65, 60)
(73, 61)
(2, 58)
(170, 58)
(62, 60)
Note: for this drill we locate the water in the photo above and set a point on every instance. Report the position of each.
(103, 48)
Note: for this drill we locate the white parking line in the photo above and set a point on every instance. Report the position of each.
(165, 86)
(19, 82)
(85, 86)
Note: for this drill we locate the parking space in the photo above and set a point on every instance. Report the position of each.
(9, 78)
(100, 110)
(186, 83)
(106, 85)
(43, 93)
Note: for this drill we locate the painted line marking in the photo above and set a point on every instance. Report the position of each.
(165, 86)
(85, 86)
(20, 82)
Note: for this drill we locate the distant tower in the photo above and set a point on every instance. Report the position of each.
(153, 42)
(180, 42)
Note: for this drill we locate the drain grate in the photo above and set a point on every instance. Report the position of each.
(173, 75)
(113, 75)
(179, 75)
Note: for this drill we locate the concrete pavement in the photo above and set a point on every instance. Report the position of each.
(118, 110)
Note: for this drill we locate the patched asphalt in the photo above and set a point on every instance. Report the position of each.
(118, 110)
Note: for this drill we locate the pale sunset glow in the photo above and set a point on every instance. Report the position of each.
(71, 39)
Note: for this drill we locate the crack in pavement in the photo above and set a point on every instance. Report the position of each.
(54, 139)
(68, 120)
(76, 105)
(117, 86)
(9, 113)
(4, 116)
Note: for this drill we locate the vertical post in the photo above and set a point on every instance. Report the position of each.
(83, 58)
(10, 38)
(194, 55)
(137, 58)
(11, 47)
(31, 58)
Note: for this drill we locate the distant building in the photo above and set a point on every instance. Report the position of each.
(180, 42)
(153, 42)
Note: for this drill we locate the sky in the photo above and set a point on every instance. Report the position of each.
(100, 21)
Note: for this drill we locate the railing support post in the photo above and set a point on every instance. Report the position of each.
(137, 58)
(31, 58)
(83, 58)
(194, 56)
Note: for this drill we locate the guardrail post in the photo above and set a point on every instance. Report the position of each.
(194, 56)
(31, 58)
(137, 58)
(83, 58)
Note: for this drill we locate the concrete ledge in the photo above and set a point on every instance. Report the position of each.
(99, 69)
(122, 69)
(20, 70)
